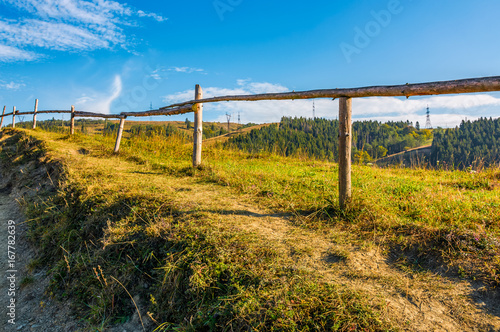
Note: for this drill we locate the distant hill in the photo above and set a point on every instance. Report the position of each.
(243, 131)
(318, 138)
(472, 144)
(412, 157)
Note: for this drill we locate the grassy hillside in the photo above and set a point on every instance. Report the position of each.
(257, 242)
(318, 139)
(89, 126)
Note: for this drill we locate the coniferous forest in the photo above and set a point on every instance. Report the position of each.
(318, 138)
(471, 144)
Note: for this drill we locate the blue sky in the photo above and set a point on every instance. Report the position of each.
(107, 56)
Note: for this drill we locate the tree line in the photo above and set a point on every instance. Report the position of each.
(471, 144)
(318, 138)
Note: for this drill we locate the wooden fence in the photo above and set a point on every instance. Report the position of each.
(486, 84)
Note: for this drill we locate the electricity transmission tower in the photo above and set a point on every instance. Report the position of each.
(239, 121)
(428, 124)
(314, 110)
(228, 116)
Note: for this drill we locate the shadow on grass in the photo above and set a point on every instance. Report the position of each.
(453, 254)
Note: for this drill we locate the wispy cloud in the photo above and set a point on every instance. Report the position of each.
(154, 16)
(446, 110)
(10, 53)
(12, 85)
(98, 102)
(66, 25)
(187, 70)
(246, 87)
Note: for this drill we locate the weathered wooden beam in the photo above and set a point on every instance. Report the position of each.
(98, 115)
(14, 117)
(486, 84)
(198, 127)
(43, 112)
(120, 133)
(72, 123)
(187, 108)
(3, 114)
(34, 113)
(345, 141)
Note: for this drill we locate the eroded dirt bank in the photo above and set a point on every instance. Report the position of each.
(32, 308)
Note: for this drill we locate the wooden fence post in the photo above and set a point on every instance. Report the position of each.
(34, 114)
(120, 133)
(198, 128)
(14, 117)
(1, 121)
(345, 140)
(72, 127)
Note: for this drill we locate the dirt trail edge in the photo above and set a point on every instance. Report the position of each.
(425, 302)
(33, 310)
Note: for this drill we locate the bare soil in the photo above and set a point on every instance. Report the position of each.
(35, 310)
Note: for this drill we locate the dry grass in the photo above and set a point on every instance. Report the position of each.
(258, 242)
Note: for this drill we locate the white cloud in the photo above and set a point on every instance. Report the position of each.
(57, 36)
(446, 111)
(187, 70)
(384, 105)
(12, 86)
(154, 16)
(9, 53)
(99, 102)
(67, 25)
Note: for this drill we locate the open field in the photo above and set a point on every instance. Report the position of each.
(257, 242)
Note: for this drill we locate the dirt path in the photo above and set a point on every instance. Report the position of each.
(414, 301)
(34, 310)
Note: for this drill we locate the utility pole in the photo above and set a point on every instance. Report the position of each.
(228, 116)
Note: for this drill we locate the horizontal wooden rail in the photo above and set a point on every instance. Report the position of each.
(42, 112)
(474, 85)
(97, 115)
(486, 84)
(187, 108)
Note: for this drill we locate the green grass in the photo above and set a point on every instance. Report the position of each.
(134, 217)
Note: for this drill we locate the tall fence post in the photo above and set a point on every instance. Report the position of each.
(72, 127)
(198, 128)
(345, 140)
(120, 133)
(1, 121)
(14, 117)
(34, 114)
